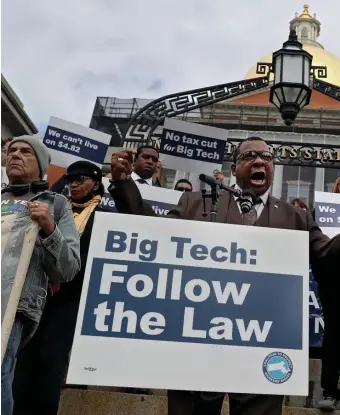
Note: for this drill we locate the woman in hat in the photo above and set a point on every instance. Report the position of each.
(42, 365)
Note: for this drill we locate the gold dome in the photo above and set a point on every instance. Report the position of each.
(305, 14)
(320, 58)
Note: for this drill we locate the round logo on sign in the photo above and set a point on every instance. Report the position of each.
(277, 367)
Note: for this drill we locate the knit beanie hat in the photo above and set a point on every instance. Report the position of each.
(40, 150)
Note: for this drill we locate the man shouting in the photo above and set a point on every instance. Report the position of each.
(253, 168)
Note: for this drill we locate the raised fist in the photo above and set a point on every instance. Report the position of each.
(121, 164)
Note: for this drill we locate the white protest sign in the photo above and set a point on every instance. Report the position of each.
(69, 142)
(160, 199)
(192, 147)
(327, 212)
(192, 305)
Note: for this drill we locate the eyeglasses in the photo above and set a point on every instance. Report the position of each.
(266, 156)
(183, 189)
(76, 179)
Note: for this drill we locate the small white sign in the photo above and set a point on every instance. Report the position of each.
(192, 147)
(160, 199)
(192, 305)
(327, 212)
(69, 142)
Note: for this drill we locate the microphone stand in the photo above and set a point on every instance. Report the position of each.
(213, 195)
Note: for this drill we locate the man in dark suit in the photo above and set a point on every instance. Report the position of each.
(253, 168)
(145, 166)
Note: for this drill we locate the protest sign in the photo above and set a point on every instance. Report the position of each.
(163, 200)
(327, 212)
(193, 306)
(192, 147)
(316, 322)
(69, 142)
(327, 216)
(160, 199)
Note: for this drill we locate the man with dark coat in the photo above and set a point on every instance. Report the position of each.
(145, 166)
(253, 168)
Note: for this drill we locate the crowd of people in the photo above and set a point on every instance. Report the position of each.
(41, 338)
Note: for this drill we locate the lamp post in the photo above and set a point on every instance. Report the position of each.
(294, 78)
(291, 90)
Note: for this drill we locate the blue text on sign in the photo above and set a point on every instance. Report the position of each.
(146, 249)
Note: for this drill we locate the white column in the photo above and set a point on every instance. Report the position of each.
(319, 184)
(277, 181)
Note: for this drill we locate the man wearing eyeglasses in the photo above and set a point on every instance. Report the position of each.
(253, 169)
(183, 185)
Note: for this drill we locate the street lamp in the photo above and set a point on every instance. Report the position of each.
(291, 90)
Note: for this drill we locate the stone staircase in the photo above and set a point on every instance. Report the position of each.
(109, 401)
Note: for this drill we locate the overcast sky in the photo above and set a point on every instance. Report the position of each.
(60, 55)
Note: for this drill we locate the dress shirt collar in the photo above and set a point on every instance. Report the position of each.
(135, 177)
(264, 197)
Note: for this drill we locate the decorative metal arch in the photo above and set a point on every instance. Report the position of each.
(326, 88)
(143, 125)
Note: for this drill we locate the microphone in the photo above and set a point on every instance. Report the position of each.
(248, 199)
(211, 181)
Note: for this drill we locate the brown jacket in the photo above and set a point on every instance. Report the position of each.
(276, 214)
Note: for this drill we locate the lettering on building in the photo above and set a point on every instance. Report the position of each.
(293, 154)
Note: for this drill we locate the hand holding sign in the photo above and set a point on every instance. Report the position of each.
(41, 214)
(121, 164)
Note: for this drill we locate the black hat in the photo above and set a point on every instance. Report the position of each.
(85, 168)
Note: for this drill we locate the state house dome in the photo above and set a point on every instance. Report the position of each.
(308, 29)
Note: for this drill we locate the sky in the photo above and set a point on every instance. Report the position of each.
(58, 56)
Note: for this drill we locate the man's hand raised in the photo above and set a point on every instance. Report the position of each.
(121, 164)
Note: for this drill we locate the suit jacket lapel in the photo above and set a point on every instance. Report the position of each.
(223, 207)
(276, 218)
(228, 211)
